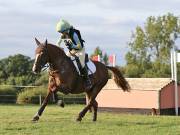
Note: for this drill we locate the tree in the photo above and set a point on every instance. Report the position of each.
(103, 57)
(150, 47)
(16, 70)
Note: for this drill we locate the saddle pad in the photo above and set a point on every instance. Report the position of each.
(91, 67)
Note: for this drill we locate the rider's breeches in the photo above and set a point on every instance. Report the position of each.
(80, 54)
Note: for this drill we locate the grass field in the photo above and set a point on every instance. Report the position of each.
(16, 120)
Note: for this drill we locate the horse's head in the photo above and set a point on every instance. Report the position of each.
(41, 56)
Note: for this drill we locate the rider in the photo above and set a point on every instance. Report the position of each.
(75, 44)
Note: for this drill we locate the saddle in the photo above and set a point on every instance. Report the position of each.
(90, 65)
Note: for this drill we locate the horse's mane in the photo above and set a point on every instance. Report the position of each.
(60, 49)
(61, 53)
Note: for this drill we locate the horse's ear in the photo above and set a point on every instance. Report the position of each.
(46, 42)
(37, 42)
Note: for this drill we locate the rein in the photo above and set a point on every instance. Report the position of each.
(73, 55)
(45, 67)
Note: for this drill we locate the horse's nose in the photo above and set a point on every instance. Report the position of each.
(35, 72)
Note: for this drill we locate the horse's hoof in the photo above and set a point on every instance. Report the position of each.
(36, 118)
(79, 119)
(94, 120)
(60, 103)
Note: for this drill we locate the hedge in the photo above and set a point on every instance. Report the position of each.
(8, 94)
(8, 90)
(31, 95)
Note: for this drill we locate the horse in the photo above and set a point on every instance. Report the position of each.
(64, 77)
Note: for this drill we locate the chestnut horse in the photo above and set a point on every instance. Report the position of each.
(63, 77)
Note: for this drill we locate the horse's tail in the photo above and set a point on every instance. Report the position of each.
(119, 79)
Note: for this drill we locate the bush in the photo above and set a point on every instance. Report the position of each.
(8, 94)
(43, 79)
(71, 95)
(8, 90)
(72, 98)
(31, 95)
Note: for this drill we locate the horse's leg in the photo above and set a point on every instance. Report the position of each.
(87, 100)
(95, 107)
(96, 89)
(84, 111)
(41, 109)
(55, 97)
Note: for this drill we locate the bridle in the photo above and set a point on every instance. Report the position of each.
(45, 57)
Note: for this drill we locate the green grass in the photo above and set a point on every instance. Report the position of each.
(16, 120)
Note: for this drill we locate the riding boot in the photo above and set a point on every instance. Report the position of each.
(88, 83)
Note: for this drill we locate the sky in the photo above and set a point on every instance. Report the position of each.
(104, 23)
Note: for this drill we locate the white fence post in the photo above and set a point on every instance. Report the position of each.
(172, 64)
(175, 80)
(40, 99)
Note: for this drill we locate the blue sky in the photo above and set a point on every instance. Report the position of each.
(104, 23)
